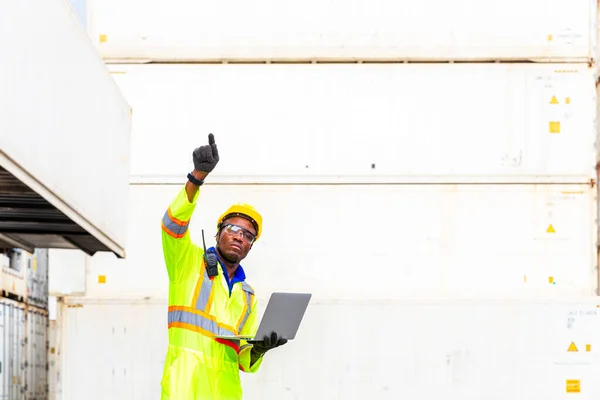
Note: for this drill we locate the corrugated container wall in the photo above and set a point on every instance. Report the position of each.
(450, 349)
(23, 351)
(453, 205)
(36, 365)
(37, 280)
(13, 331)
(346, 30)
(397, 123)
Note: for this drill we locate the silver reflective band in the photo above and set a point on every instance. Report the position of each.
(174, 228)
(249, 293)
(205, 291)
(199, 321)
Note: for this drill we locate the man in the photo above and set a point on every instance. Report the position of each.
(207, 298)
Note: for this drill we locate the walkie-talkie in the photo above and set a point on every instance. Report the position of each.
(210, 260)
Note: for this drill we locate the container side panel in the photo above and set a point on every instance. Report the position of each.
(409, 122)
(442, 240)
(125, 366)
(441, 349)
(341, 29)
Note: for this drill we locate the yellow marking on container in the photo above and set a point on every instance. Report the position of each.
(550, 279)
(550, 229)
(573, 386)
(554, 126)
(572, 347)
(549, 38)
(568, 100)
(101, 278)
(588, 347)
(554, 100)
(525, 278)
(103, 38)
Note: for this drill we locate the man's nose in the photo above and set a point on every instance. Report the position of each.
(239, 236)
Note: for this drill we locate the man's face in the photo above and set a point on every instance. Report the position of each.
(235, 243)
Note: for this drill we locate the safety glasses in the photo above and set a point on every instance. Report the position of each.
(235, 230)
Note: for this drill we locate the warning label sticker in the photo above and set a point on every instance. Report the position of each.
(554, 127)
(573, 386)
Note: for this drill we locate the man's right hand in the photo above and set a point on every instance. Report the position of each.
(206, 157)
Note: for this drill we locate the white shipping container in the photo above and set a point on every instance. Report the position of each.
(190, 30)
(55, 354)
(64, 134)
(368, 123)
(356, 349)
(428, 240)
(37, 354)
(37, 279)
(12, 356)
(14, 277)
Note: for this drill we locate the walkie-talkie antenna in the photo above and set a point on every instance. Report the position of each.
(203, 243)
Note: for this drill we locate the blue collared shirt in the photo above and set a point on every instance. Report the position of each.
(240, 275)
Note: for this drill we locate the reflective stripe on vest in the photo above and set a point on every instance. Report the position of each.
(206, 323)
(203, 293)
(247, 307)
(198, 319)
(173, 226)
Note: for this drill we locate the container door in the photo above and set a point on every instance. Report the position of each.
(3, 364)
(18, 343)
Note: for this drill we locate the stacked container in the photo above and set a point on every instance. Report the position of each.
(15, 268)
(425, 169)
(36, 343)
(23, 326)
(37, 280)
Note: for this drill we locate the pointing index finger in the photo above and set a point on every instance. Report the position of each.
(211, 139)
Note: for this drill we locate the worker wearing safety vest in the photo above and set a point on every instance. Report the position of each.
(207, 299)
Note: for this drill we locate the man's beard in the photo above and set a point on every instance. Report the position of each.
(227, 258)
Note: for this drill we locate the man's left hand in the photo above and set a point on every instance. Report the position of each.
(268, 343)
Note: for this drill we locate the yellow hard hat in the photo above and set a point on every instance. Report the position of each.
(245, 211)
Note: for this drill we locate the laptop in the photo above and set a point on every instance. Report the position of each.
(283, 315)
